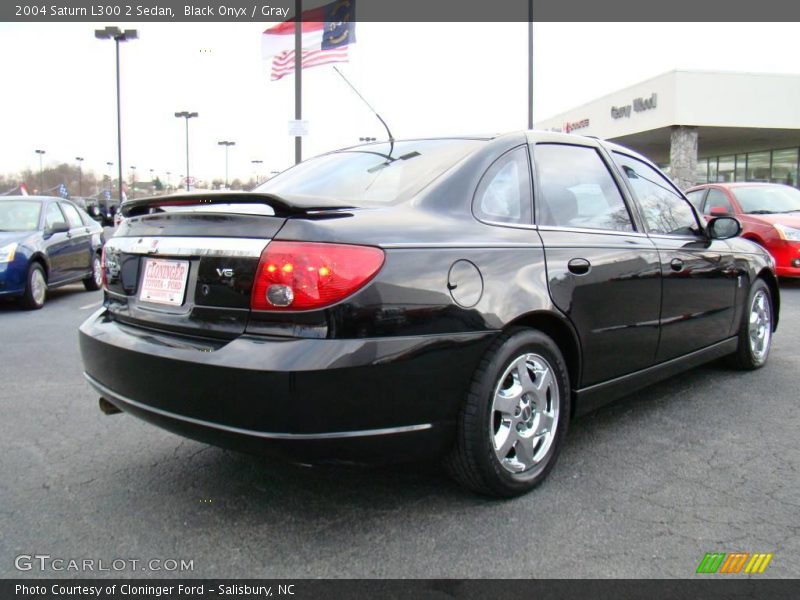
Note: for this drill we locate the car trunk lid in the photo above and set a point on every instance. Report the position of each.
(186, 264)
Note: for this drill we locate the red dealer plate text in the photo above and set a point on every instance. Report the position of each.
(164, 281)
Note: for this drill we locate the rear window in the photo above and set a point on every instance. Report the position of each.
(377, 174)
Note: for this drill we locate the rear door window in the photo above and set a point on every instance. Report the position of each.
(576, 189)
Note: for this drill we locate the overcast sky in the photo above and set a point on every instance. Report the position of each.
(424, 78)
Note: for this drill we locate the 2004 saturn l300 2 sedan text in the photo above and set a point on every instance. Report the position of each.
(456, 298)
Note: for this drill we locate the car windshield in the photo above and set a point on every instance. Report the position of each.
(768, 199)
(19, 215)
(372, 175)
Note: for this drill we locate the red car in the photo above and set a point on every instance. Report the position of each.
(769, 213)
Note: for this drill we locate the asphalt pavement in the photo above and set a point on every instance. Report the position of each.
(705, 462)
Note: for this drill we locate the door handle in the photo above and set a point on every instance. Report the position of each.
(676, 264)
(69, 235)
(579, 266)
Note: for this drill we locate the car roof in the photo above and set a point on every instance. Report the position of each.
(533, 136)
(36, 198)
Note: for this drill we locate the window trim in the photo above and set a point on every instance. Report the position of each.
(612, 171)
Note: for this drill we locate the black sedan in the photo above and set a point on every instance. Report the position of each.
(456, 298)
(45, 243)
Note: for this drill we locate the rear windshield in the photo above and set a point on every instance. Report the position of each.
(371, 175)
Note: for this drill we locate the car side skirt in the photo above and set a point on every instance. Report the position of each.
(593, 397)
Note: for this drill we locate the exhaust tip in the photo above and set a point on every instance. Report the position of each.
(108, 408)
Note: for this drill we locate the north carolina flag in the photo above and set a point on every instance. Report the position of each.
(326, 33)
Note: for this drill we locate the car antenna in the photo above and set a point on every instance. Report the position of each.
(352, 87)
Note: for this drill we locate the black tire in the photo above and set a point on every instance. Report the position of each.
(474, 462)
(94, 282)
(32, 298)
(747, 356)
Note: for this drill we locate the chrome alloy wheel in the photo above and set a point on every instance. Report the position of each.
(38, 287)
(760, 327)
(524, 413)
(97, 271)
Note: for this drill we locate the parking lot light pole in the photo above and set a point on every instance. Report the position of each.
(187, 115)
(257, 167)
(80, 175)
(41, 171)
(116, 34)
(227, 145)
(530, 64)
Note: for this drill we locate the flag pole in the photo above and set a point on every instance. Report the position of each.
(298, 70)
(530, 64)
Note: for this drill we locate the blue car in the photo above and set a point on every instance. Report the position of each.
(45, 243)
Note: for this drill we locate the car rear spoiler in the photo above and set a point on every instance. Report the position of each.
(282, 206)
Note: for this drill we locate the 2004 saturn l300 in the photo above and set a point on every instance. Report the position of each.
(456, 298)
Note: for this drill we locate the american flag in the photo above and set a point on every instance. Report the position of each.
(283, 63)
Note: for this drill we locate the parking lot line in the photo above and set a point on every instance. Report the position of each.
(92, 305)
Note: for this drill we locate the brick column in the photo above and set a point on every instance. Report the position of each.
(683, 155)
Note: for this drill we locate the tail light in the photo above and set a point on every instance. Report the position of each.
(308, 275)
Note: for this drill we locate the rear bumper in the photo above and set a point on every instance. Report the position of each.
(356, 400)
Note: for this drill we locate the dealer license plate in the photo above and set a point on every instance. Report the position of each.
(164, 281)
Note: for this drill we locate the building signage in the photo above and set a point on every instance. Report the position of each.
(638, 105)
(570, 127)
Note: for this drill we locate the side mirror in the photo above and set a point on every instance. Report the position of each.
(58, 227)
(723, 228)
(718, 211)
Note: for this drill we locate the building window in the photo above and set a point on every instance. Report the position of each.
(758, 166)
(776, 166)
(784, 167)
(741, 167)
(726, 171)
(702, 170)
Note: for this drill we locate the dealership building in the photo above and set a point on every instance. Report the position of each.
(701, 126)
